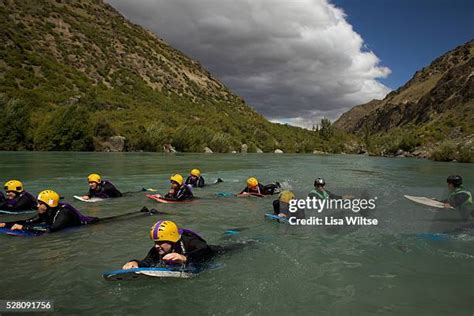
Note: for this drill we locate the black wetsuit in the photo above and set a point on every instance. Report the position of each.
(196, 250)
(55, 219)
(23, 201)
(190, 245)
(105, 190)
(268, 189)
(277, 209)
(195, 181)
(282, 207)
(182, 193)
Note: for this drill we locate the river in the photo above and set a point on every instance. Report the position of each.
(382, 269)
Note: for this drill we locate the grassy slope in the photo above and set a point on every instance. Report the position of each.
(78, 72)
(433, 112)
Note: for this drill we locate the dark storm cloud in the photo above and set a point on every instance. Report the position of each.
(293, 61)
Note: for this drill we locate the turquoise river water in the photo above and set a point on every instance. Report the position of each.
(383, 269)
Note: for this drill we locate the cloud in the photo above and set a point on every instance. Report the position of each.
(293, 61)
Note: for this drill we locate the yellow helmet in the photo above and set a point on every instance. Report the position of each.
(252, 182)
(13, 185)
(165, 231)
(177, 178)
(49, 197)
(286, 196)
(94, 177)
(196, 172)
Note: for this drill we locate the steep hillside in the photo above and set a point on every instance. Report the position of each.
(75, 73)
(434, 108)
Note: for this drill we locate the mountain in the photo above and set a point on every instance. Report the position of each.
(76, 75)
(431, 114)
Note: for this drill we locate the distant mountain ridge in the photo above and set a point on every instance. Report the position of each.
(442, 86)
(435, 105)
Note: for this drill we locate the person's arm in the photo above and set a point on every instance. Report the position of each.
(26, 202)
(245, 190)
(90, 193)
(29, 223)
(184, 193)
(201, 182)
(334, 196)
(172, 195)
(276, 207)
(188, 180)
(152, 259)
(10, 224)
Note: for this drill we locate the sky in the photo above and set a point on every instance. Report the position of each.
(298, 61)
(410, 33)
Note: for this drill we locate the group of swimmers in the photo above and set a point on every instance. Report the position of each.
(172, 244)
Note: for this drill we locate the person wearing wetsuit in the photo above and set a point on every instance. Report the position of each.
(17, 198)
(195, 179)
(53, 215)
(459, 198)
(254, 187)
(319, 191)
(173, 246)
(179, 191)
(99, 188)
(281, 206)
(179, 246)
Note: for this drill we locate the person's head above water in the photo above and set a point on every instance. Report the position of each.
(454, 181)
(165, 234)
(196, 172)
(13, 188)
(94, 180)
(319, 183)
(286, 196)
(252, 182)
(176, 180)
(47, 199)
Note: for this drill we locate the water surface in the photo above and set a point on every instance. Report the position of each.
(307, 270)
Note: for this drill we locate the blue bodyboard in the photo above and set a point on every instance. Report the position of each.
(162, 272)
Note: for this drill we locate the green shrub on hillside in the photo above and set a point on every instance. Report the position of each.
(466, 153)
(408, 142)
(14, 124)
(65, 129)
(103, 129)
(221, 142)
(445, 152)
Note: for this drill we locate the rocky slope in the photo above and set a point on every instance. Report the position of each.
(435, 106)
